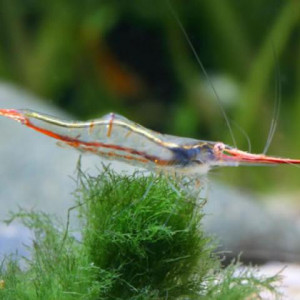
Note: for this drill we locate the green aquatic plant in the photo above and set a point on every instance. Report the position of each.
(141, 238)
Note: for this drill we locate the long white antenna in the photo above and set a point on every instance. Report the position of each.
(276, 109)
(204, 71)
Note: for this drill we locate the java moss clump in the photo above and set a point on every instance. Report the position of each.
(141, 238)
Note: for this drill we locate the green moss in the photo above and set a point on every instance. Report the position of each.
(141, 239)
(147, 234)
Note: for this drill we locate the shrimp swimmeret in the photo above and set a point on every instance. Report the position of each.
(116, 138)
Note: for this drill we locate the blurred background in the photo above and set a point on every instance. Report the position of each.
(131, 57)
(82, 59)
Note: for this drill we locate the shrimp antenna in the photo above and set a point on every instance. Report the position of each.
(277, 104)
(244, 133)
(203, 71)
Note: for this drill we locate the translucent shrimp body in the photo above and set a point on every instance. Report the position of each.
(116, 138)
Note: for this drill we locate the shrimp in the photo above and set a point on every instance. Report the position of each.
(114, 137)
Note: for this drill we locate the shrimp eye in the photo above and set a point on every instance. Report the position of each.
(219, 148)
